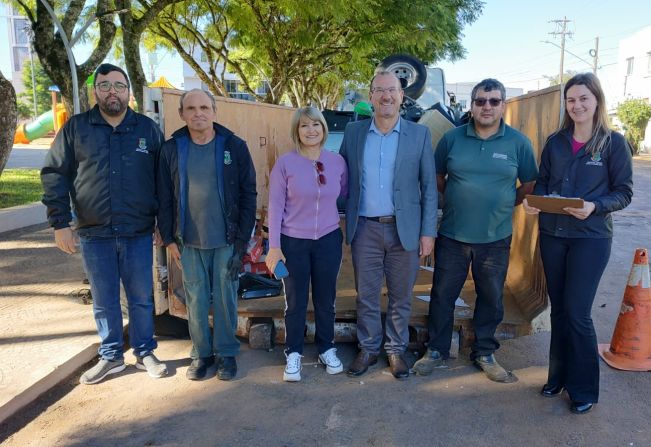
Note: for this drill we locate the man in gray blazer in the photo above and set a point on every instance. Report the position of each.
(390, 219)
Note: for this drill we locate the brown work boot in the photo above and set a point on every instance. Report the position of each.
(493, 370)
(399, 368)
(361, 363)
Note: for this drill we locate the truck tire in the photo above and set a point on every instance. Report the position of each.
(409, 70)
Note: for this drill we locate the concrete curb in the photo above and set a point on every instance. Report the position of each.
(22, 216)
(45, 384)
(59, 374)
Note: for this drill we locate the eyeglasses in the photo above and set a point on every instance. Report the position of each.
(380, 90)
(319, 171)
(105, 86)
(481, 102)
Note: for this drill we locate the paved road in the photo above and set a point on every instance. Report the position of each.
(453, 407)
(26, 158)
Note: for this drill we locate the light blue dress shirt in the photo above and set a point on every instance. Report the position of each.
(377, 172)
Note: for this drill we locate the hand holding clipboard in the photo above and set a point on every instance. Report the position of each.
(554, 204)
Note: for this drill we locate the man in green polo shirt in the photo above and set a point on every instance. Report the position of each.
(477, 166)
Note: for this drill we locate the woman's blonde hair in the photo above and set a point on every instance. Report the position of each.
(312, 113)
(600, 138)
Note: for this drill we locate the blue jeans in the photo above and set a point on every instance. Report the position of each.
(573, 269)
(489, 263)
(107, 261)
(317, 262)
(206, 283)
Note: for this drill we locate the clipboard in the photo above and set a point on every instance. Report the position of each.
(553, 204)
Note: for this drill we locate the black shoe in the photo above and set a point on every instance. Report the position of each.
(581, 407)
(361, 363)
(199, 367)
(551, 390)
(398, 366)
(227, 368)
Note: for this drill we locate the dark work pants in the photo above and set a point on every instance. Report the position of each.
(317, 261)
(573, 268)
(489, 263)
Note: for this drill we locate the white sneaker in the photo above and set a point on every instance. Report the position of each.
(331, 361)
(293, 369)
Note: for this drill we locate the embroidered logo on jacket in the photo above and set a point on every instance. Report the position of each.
(595, 160)
(227, 157)
(142, 146)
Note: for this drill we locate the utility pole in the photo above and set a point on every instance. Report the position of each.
(562, 24)
(595, 55)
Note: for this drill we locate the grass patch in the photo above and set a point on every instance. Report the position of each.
(19, 187)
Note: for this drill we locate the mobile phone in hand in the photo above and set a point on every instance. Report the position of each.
(280, 271)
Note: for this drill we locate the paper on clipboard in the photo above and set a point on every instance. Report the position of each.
(553, 204)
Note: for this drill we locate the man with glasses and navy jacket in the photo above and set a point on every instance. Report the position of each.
(477, 166)
(104, 162)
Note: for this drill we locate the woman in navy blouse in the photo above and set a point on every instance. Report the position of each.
(587, 160)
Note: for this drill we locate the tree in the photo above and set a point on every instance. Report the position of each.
(49, 46)
(301, 48)
(8, 119)
(134, 20)
(199, 28)
(634, 115)
(43, 95)
(553, 80)
(306, 53)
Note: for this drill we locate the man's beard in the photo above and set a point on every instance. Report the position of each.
(112, 106)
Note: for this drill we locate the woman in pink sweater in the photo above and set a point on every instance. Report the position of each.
(304, 233)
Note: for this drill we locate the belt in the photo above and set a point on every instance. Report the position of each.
(383, 219)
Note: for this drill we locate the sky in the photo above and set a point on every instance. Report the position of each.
(507, 42)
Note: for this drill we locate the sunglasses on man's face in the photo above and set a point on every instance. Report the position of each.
(481, 102)
(319, 170)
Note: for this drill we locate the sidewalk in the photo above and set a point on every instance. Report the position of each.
(46, 333)
(21, 216)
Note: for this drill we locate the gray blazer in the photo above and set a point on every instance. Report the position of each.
(414, 185)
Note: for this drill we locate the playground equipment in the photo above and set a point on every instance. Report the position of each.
(43, 124)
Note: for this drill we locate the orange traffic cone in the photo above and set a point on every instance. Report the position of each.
(630, 347)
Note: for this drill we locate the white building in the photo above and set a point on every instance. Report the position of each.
(462, 92)
(13, 28)
(634, 71)
(231, 80)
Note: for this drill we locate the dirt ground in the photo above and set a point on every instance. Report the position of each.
(456, 406)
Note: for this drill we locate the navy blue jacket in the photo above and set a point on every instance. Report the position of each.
(235, 184)
(605, 179)
(109, 174)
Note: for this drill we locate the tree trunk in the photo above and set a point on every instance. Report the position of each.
(131, 49)
(52, 54)
(8, 119)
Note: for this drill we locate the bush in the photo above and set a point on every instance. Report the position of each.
(634, 115)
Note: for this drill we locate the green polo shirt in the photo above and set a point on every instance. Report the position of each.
(481, 181)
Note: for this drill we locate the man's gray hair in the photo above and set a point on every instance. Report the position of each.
(206, 92)
(488, 85)
(383, 73)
